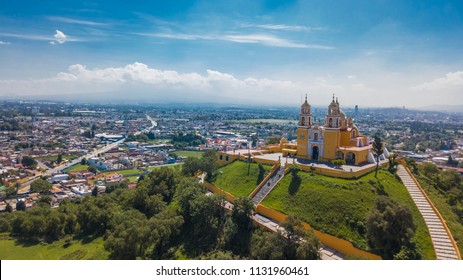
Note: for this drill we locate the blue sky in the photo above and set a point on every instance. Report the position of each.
(371, 53)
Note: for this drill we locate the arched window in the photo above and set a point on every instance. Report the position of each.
(330, 122)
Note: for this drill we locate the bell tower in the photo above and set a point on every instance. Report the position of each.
(332, 129)
(305, 117)
(305, 122)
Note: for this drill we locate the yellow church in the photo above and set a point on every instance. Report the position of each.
(337, 138)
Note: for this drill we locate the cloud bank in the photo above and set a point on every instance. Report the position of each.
(138, 80)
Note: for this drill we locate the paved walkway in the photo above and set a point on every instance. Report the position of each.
(269, 185)
(326, 252)
(441, 241)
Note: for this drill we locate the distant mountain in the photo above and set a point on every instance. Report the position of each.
(441, 108)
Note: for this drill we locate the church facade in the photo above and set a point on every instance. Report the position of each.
(336, 138)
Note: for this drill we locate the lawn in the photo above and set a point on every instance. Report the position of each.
(10, 249)
(234, 178)
(340, 206)
(77, 167)
(440, 201)
(196, 154)
(55, 157)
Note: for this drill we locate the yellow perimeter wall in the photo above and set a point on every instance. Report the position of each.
(340, 245)
(338, 173)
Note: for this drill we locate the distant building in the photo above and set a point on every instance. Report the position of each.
(58, 178)
(100, 164)
(356, 112)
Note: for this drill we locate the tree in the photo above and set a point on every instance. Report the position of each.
(95, 191)
(204, 217)
(429, 169)
(296, 180)
(40, 186)
(338, 162)
(261, 174)
(449, 179)
(142, 137)
(411, 163)
(191, 166)
(209, 164)
(451, 161)
(161, 181)
(59, 159)
(390, 226)
(92, 169)
(130, 138)
(11, 191)
(377, 151)
(46, 200)
(28, 162)
(8, 208)
(21, 206)
(392, 162)
(241, 216)
(83, 161)
(291, 243)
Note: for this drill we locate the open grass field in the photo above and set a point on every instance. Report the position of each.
(10, 249)
(77, 167)
(234, 178)
(196, 154)
(440, 201)
(340, 206)
(55, 158)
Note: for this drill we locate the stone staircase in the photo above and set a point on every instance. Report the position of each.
(269, 185)
(441, 240)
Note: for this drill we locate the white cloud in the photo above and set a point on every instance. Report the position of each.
(284, 27)
(139, 79)
(76, 21)
(4, 43)
(263, 39)
(451, 81)
(60, 37)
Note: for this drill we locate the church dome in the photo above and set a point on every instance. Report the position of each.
(343, 115)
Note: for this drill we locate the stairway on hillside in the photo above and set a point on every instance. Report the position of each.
(269, 185)
(441, 241)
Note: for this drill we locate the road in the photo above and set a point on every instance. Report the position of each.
(95, 153)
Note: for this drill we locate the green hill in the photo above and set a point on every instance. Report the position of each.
(340, 206)
(234, 178)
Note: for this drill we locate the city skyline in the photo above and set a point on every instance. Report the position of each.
(261, 53)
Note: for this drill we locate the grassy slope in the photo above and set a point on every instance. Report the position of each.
(11, 250)
(439, 200)
(332, 204)
(234, 178)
